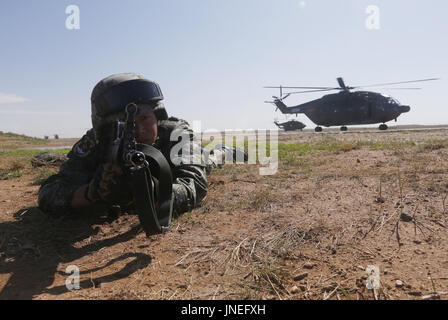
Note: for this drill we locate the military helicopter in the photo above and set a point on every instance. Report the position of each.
(346, 107)
(290, 125)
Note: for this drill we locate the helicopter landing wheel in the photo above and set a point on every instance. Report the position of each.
(318, 129)
(344, 128)
(383, 127)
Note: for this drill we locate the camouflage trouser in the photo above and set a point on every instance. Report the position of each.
(214, 161)
(217, 157)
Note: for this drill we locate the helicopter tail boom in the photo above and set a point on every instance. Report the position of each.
(301, 108)
(280, 105)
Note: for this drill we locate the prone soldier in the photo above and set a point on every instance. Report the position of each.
(89, 180)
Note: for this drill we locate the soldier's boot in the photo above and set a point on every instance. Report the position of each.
(232, 154)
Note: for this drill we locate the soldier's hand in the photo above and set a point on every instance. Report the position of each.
(110, 185)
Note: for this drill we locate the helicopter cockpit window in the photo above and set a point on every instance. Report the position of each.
(393, 101)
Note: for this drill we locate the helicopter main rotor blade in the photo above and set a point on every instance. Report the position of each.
(285, 96)
(299, 87)
(392, 83)
(314, 91)
(399, 88)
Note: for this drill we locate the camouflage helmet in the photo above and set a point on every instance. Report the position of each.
(111, 95)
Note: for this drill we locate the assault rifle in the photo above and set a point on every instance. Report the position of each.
(141, 163)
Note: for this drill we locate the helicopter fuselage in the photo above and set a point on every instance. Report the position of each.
(348, 108)
(290, 125)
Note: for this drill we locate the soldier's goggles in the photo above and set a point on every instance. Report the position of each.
(117, 97)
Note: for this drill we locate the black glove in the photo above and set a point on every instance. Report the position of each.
(110, 185)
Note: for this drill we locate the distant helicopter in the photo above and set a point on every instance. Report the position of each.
(290, 125)
(346, 107)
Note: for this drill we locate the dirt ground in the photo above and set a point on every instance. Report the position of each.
(338, 205)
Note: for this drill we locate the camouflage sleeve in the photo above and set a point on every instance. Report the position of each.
(190, 187)
(56, 193)
(190, 181)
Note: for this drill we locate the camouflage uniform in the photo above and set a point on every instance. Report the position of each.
(189, 180)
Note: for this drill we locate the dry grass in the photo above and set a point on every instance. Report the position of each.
(12, 168)
(11, 141)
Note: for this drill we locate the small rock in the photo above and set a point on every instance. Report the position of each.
(309, 265)
(294, 289)
(358, 161)
(415, 293)
(418, 251)
(417, 242)
(406, 217)
(301, 276)
(104, 285)
(431, 297)
(361, 268)
(302, 287)
(379, 200)
(399, 284)
(385, 271)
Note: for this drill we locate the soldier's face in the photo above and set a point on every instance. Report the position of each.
(146, 128)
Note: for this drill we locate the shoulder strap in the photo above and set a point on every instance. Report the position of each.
(154, 219)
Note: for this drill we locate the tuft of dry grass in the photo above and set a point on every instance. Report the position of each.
(12, 168)
(262, 200)
(433, 145)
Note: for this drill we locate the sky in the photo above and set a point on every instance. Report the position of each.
(213, 57)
